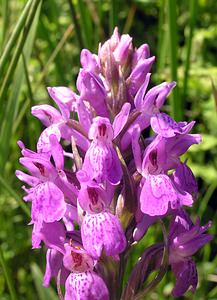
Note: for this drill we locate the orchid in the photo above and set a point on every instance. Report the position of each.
(92, 204)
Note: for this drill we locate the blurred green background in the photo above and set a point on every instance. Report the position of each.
(40, 42)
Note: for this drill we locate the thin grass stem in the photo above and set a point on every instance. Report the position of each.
(193, 14)
(7, 276)
(17, 197)
(14, 36)
(176, 105)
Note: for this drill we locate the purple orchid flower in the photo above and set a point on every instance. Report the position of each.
(57, 122)
(101, 161)
(185, 239)
(146, 104)
(90, 205)
(48, 189)
(75, 266)
(100, 229)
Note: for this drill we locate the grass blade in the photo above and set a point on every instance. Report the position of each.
(17, 197)
(162, 38)
(43, 294)
(5, 21)
(85, 24)
(77, 28)
(130, 18)
(176, 105)
(14, 36)
(18, 50)
(192, 21)
(113, 16)
(7, 276)
(10, 110)
(214, 92)
(59, 46)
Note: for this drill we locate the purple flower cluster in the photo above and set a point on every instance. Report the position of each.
(96, 184)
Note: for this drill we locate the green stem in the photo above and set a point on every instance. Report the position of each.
(176, 105)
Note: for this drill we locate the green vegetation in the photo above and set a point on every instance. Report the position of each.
(40, 43)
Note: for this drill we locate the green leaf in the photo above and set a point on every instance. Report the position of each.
(15, 34)
(176, 105)
(15, 195)
(43, 293)
(9, 111)
(192, 21)
(7, 275)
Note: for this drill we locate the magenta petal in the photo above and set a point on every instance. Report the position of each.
(136, 148)
(101, 162)
(85, 286)
(39, 167)
(121, 119)
(123, 49)
(165, 126)
(64, 98)
(30, 180)
(48, 203)
(84, 115)
(52, 234)
(140, 54)
(92, 89)
(102, 231)
(156, 97)
(142, 226)
(57, 152)
(158, 195)
(184, 179)
(47, 114)
(138, 101)
(54, 264)
(138, 75)
(115, 171)
(89, 61)
(44, 144)
(70, 216)
(186, 276)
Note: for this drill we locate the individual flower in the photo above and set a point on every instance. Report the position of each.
(48, 187)
(101, 161)
(76, 269)
(185, 239)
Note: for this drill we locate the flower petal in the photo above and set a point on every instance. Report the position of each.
(121, 119)
(85, 286)
(158, 195)
(47, 114)
(102, 231)
(48, 203)
(54, 263)
(186, 276)
(44, 144)
(165, 126)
